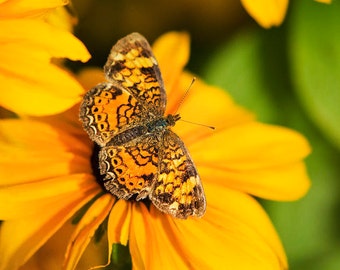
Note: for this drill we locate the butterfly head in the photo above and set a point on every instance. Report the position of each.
(171, 119)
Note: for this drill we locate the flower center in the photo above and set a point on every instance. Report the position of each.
(95, 165)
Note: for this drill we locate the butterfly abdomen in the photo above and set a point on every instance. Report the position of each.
(152, 127)
(128, 135)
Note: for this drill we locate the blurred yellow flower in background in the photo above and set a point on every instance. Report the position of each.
(268, 13)
(33, 34)
(48, 180)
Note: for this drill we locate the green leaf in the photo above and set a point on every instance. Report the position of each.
(121, 258)
(315, 62)
(254, 68)
(238, 66)
(308, 228)
(81, 212)
(330, 261)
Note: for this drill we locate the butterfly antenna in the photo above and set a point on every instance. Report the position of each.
(199, 124)
(181, 102)
(185, 95)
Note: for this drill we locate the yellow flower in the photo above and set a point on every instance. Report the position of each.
(46, 180)
(31, 36)
(268, 13)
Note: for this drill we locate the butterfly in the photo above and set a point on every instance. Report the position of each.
(140, 156)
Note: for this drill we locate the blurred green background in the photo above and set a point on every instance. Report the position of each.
(289, 75)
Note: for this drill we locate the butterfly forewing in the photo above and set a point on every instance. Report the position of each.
(108, 109)
(132, 64)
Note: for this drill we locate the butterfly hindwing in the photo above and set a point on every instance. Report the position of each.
(177, 189)
(130, 169)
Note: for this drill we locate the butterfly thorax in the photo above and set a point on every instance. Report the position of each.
(161, 123)
(153, 127)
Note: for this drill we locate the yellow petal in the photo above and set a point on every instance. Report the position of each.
(162, 239)
(90, 77)
(38, 36)
(235, 233)
(172, 53)
(207, 105)
(67, 123)
(51, 255)
(239, 228)
(267, 13)
(53, 93)
(61, 17)
(27, 72)
(251, 146)
(259, 159)
(140, 237)
(286, 183)
(324, 1)
(119, 223)
(66, 152)
(21, 237)
(118, 227)
(11, 8)
(86, 228)
(18, 201)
